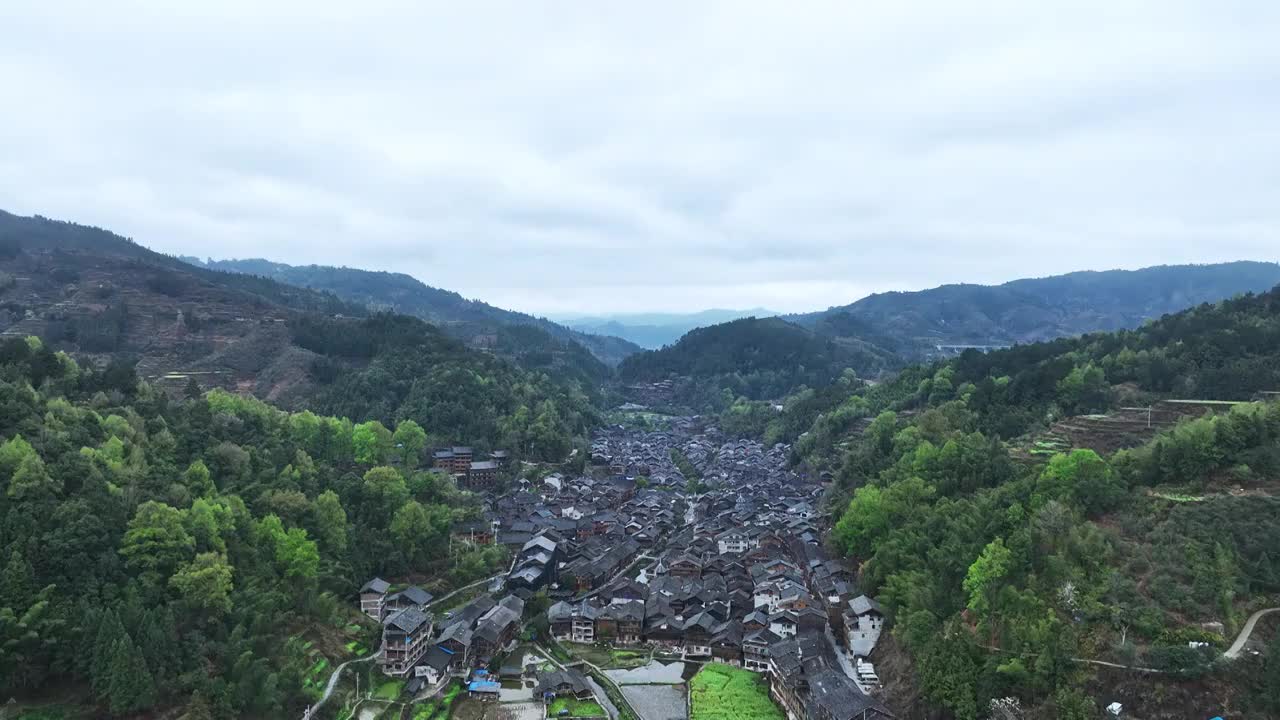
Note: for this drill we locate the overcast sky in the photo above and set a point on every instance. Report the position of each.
(617, 156)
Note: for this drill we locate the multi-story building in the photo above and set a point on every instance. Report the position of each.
(406, 637)
(482, 475)
(455, 460)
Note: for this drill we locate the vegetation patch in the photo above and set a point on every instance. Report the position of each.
(574, 708)
(721, 692)
(388, 689)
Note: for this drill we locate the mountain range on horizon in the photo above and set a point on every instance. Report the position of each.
(886, 330)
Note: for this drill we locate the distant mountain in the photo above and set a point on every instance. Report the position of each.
(655, 330)
(753, 358)
(915, 324)
(472, 321)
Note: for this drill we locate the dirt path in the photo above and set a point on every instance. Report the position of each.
(333, 683)
(1238, 646)
(464, 588)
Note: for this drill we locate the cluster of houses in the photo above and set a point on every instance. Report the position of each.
(661, 392)
(736, 574)
(743, 579)
(471, 473)
(417, 644)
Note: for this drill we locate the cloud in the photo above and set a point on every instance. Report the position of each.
(555, 157)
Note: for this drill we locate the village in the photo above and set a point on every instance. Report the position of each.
(679, 555)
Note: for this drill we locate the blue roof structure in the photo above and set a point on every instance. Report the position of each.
(483, 686)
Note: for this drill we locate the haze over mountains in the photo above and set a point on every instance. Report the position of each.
(654, 330)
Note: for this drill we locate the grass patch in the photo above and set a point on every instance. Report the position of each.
(607, 657)
(388, 689)
(720, 692)
(574, 708)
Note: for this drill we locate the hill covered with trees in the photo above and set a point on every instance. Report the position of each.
(189, 556)
(187, 328)
(1014, 574)
(751, 358)
(469, 320)
(912, 324)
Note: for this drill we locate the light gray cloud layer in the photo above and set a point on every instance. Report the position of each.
(591, 157)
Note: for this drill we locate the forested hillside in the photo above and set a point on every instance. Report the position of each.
(751, 358)
(517, 334)
(914, 323)
(1013, 565)
(187, 329)
(195, 555)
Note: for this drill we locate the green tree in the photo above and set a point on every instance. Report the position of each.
(198, 480)
(17, 582)
(205, 583)
(131, 688)
(1084, 389)
(1083, 476)
(420, 530)
(295, 555)
(157, 541)
(985, 575)
(210, 522)
(110, 631)
(372, 441)
(384, 491)
(12, 453)
(409, 440)
(862, 522)
(31, 481)
(330, 522)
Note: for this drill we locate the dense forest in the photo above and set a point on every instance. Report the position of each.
(1007, 576)
(97, 295)
(393, 368)
(184, 553)
(1228, 350)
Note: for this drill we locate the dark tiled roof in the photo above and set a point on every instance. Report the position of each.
(413, 594)
(838, 697)
(376, 585)
(409, 621)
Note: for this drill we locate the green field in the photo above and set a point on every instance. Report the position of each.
(576, 708)
(720, 692)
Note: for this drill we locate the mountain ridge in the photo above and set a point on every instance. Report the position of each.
(400, 292)
(1037, 309)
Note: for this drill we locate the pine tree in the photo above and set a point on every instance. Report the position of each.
(110, 631)
(155, 641)
(131, 687)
